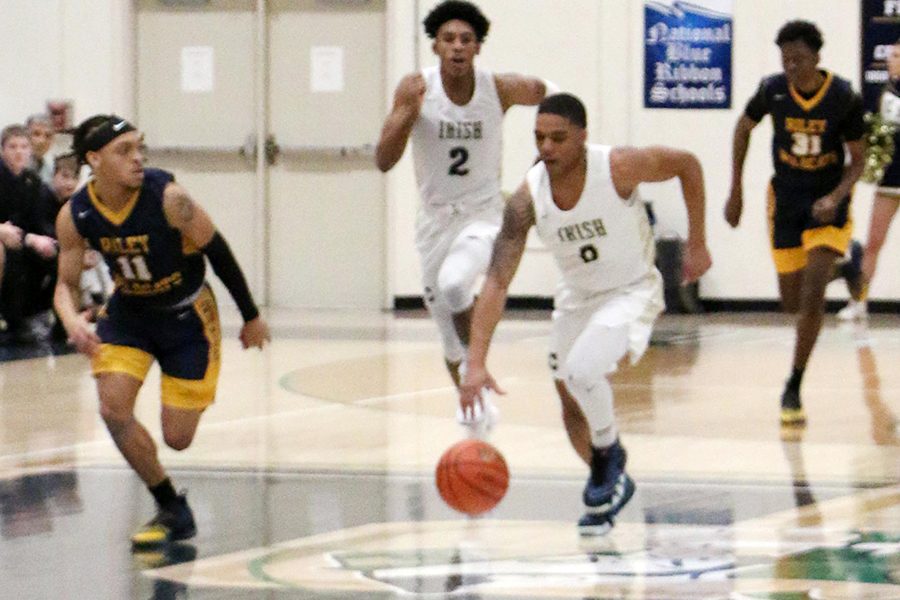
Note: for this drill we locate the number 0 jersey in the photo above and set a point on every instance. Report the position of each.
(603, 243)
(809, 133)
(151, 263)
(457, 149)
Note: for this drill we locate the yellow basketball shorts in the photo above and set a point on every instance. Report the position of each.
(186, 341)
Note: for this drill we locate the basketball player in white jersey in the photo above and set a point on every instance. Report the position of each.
(583, 199)
(454, 114)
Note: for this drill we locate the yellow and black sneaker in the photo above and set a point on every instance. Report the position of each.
(172, 523)
(155, 557)
(791, 409)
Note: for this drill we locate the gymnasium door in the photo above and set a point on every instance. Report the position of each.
(267, 111)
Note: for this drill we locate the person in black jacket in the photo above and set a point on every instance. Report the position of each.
(21, 243)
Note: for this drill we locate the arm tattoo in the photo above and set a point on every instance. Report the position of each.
(518, 217)
(185, 207)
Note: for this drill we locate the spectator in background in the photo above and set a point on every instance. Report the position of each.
(41, 132)
(96, 283)
(22, 243)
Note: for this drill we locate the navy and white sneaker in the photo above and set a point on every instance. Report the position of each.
(603, 501)
(594, 524)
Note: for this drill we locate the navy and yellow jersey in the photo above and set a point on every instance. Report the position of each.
(809, 133)
(151, 263)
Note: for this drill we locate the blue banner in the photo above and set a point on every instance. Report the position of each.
(880, 29)
(687, 54)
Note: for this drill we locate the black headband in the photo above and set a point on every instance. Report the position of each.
(105, 133)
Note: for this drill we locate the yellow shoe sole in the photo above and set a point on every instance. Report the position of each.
(793, 416)
(151, 536)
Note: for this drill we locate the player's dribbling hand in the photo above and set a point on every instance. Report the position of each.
(734, 207)
(255, 334)
(476, 380)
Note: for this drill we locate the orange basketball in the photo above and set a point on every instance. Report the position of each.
(472, 476)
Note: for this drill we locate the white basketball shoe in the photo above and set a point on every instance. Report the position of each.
(854, 311)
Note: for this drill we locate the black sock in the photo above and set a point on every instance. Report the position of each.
(599, 460)
(793, 383)
(164, 493)
(845, 270)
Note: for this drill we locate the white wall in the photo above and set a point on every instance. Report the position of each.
(79, 50)
(83, 50)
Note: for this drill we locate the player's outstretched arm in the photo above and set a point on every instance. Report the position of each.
(632, 166)
(399, 123)
(68, 284)
(518, 218)
(195, 224)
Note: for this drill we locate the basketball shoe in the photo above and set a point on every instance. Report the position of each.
(483, 417)
(854, 311)
(608, 490)
(791, 409)
(851, 270)
(171, 523)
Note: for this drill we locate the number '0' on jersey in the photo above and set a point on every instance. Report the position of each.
(604, 242)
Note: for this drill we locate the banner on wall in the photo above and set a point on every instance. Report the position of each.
(687, 53)
(880, 29)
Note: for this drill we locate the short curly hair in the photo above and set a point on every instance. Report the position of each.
(566, 106)
(457, 9)
(803, 31)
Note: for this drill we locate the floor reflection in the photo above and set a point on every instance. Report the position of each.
(30, 504)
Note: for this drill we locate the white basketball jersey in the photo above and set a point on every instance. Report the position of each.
(604, 242)
(457, 149)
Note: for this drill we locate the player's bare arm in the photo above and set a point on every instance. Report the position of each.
(518, 217)
(632, 166)
(735, 204)
(514, 89)
(187, 216)
(195, 224)
(825, 208)
(399, 123)
(68, 283)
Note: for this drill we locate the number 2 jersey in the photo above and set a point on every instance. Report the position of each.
(151, 263)
(603, 243)
(457, 150)
(808, 133)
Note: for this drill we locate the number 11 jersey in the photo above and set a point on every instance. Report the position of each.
(151, 263)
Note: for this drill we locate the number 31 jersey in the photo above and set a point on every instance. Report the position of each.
(808, 133)
(457, 149)
(151, 264)
(601, 244)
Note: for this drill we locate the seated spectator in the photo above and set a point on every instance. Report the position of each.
(21, 242)
(96, 283)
